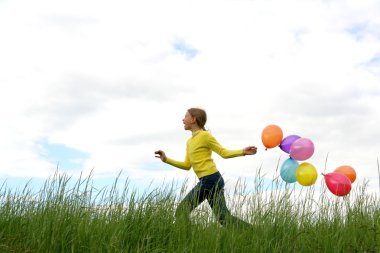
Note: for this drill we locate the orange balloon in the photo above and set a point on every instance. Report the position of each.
(271, 136)
(348, 171)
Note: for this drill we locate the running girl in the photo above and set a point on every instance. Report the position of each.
(198, 156)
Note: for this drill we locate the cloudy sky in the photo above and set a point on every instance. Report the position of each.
(101, 85)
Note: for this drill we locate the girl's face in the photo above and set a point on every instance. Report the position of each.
(188, 121)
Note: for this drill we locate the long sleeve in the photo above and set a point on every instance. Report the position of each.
(225, 153)
(185, 165)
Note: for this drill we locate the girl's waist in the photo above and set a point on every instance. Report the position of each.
(213, 175)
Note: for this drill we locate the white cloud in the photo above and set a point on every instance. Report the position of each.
(114, 80)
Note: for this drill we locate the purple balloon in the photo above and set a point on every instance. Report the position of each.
(302, 149)
(287, 142)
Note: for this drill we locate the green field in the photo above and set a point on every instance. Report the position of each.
(69, 215)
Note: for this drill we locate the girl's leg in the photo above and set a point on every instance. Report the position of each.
(196, 196)
(217, 202)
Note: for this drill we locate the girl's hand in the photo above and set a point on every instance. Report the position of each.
(160, 154)
(251, 150)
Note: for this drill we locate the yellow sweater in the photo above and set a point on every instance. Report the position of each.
(198, 154)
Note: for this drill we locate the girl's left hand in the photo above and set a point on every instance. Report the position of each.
(251, 150)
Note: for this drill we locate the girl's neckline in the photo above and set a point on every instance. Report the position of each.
(196, 132)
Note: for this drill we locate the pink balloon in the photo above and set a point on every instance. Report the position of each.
(337, 183)
(302, 149)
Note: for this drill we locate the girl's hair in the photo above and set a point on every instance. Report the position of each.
(200, 116)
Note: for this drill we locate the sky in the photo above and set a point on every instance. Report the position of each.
(98, 86)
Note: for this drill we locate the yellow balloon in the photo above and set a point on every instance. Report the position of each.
(306, 174)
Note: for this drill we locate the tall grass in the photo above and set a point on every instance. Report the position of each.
(69, 215)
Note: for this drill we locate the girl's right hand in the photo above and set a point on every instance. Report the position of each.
(160, 154)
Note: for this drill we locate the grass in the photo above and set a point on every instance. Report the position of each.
(69, 215)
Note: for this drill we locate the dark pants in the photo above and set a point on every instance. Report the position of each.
(211, 188)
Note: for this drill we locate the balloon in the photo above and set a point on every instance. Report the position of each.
(271, 136)
(302, 149)
(306, 174)
(337, 183)
(348, 171)
(288, 170)
(287, 142)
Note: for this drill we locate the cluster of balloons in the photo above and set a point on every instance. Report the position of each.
(339, 182)
(300, 149)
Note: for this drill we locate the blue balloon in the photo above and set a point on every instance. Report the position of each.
(288, 170)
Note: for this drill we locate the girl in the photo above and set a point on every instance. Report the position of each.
(198, 156)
